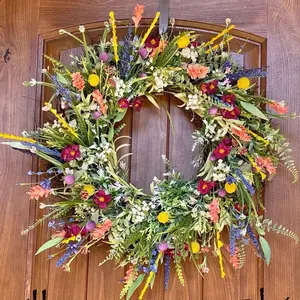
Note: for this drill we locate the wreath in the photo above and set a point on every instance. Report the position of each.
(236, 148)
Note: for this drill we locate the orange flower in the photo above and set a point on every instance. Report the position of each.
(97, 97)
(77, 81)
(197, 71)
(278, 107)
(37, 191)
(241, 133)
(138, 12)
(99, 232)
(266, 162)
(161, 47)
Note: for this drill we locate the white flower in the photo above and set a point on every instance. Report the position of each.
(81, 28)
(62, 31)
(32, 82)
(228, 21)
(33, 149)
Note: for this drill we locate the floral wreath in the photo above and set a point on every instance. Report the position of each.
(236, 148)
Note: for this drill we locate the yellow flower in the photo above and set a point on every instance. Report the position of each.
(195, 247)
(94, 80)
(183, 42)
(90, 189)
(163, 217)
(243, 83)
(70, 239)
(230, 187)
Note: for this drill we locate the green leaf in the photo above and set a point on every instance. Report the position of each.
(135, 285)
(253, 110)
(111, 133)
(49, 244)
(62, 79)
(266, 249)
(152, 100)
(95, 216)
(120, 115)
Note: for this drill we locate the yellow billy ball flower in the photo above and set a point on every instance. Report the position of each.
(183, 41)
(163, 217)
(195, 247)
(230, 188)
(94, 80)
(243, 83)
(90, 189)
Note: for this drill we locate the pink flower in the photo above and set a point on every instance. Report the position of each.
(278, 107)
(137, 104)
(204, 187)
(266, 162)
(101, 199)
(214, 210)
(97, 97)
(69, 179)
(70, 152)
(221, 151)
(197, 71)
(99, 232)
(37, 191)
(77, 81)
(163, 246)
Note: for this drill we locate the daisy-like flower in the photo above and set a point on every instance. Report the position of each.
(231, 114)
(204, 187)
(70, 153)
(102, 199)
(222, 150)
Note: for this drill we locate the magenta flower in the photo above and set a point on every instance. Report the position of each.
(90, 225)
(123, 103)
(101, 199)
(233, 114)
(143, 53)
(229, 98)
(104, 56)
(221, 151)
(204, 187)
(69, 179)
(137, 104)
(71, 152)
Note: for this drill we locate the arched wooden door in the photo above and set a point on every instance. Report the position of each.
(152, 137)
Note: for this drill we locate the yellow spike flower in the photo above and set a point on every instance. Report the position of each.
(150, 28)
(114, 32)
(219, 246)
(16, 138)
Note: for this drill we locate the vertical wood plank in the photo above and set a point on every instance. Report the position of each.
(181, 156)
(282, 197)
(149, 142)
(18, 33)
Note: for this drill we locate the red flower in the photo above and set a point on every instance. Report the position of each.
(212, 87)
(152, 42)
(137, 104)
(233, 114)
(221, 151)
(205, 186)
(73, 230)
(229, 98)
(101, 199)
(123, 103)
(71, 152)
(195, 44)
(204, 88)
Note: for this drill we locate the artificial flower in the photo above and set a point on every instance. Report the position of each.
(143, 53)
(195, 247)
(69, 179)
(93, 80)
(77, 81)
(103, 56)
(101, 199)
(243, 83)
(280, 107)
(231, 114)
(214, 210)
(163, 217)
(98, 97)
(241, 132)
(163, 246)
(266, 162)
(183, 41)
(212, 87)
(152, 42)
(90, 225)
(123, 103)
(229, 98)
(197, 71)
(204, 187)
(70, 152)
(221, 151)
(137, 104)
(99, 232)
(230, 188)
(90, 189)
(37, 192)
(138, 14)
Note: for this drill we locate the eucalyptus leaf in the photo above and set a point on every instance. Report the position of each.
(49, 244)
(253, 110)
(111, 133)
(61, 79)
(120, 115)
(95, 216)
(266, 249)
(135, 285)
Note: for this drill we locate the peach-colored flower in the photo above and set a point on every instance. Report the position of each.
(77, 81)
(99, 232)
(197, 71)
(214, 210)
(97, 97)
(138, 14)
(266, 162)
(241, 133)
(128, 274)
(162, 45)
(37, 191)
(278, 107)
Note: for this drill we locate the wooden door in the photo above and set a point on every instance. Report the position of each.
(29, 28)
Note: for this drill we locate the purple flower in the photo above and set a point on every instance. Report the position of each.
(222, 193)
(163, 246)
(90, 225)
(104, 56)
(142, 75)
(46, 184)
(69, 179)
(96, 115)
(213, 110)
(143, 53)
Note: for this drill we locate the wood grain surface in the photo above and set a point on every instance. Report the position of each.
(21, 273)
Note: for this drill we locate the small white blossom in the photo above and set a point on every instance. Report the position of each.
(81, 28)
